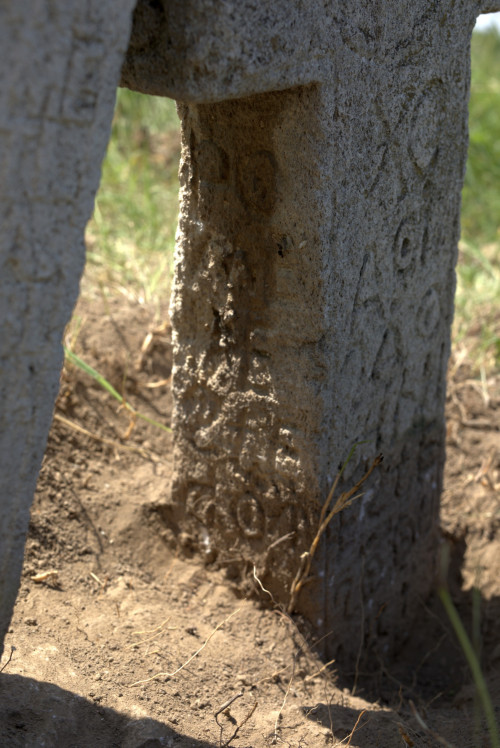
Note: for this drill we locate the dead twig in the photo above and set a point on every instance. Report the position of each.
(154, 633)
(471, 423)
(426, 728)
(96, 579)
(344, 500)
(110, 442)
(262, 586)
(239, 726)
(225, 708)
(278, 716)
(355, 727)
(351, 734)
(318, 672)
(12, 650)
(404, 735)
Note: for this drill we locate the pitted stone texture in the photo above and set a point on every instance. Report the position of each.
(61, 62)
(215, 50)
(212, 50)
(312, 309)
(250, 375)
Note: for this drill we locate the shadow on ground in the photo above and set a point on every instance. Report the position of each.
(64, 719)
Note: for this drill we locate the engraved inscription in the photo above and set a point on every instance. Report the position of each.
(425, 126)
(250, 516)
(428, 313)
(367, 33)
(82, 85)
(293, 519)
(213, 162)
(407, 242)
(258, 181)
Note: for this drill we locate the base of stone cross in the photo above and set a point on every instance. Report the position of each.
(324, 147)
(362, 590)
(295, 338)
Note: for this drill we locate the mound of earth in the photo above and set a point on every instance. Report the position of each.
(117, 642)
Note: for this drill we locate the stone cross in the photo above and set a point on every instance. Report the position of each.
(323, 153)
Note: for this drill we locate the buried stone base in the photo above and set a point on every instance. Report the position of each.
(313, 292)
(311, 310)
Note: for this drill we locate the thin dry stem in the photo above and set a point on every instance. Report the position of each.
(154, 634)
(262, 586)
(318, 672)
(355, 727)
(111, 442)
(171, 675)
(12, 650)
(96, 579)
(278, 716)
(238, 727)
(154, 630)
(344, 500)
(426, 728)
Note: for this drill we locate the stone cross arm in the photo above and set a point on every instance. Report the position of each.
(213, 51)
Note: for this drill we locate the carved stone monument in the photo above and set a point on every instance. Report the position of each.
(323, 153)
(324, 147)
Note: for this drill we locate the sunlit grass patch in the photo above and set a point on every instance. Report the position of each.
(130, 238)
(481, 194)
(477, 305)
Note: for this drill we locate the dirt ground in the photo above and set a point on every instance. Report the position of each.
(116, 642)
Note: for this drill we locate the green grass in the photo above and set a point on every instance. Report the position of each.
(481, 193)
(477, 316)
(470, 649)
(130, 238)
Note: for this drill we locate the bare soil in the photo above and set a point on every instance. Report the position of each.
(115, 641)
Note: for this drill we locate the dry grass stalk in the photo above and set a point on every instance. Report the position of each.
(426, 728)
(355, 726)
(190, 659)
(320, 671)
(111, 442)
(96, 579)
(153, 634)
(224, 709)
(344, 500)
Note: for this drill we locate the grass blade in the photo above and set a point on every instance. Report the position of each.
(103, 382)
(470, 656)
(83, 366)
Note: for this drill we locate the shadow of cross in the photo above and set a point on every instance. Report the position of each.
(323, 153)
(324, 147)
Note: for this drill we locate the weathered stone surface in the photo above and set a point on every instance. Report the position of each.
(212, 51)
(60, 67)
(209, 51)
(314, 291)
(314, 282)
